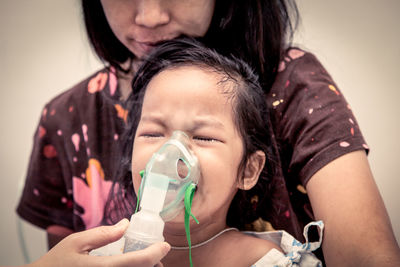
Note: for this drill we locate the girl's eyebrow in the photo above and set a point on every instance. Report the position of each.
(157, 119)
(201, 122)
(198, 122)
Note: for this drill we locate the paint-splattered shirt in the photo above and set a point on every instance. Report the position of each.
(71, 166)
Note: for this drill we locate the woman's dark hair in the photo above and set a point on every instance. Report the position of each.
(256, 31)
(240, 85)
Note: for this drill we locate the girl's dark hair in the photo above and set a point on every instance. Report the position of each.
(240, 84)
(254, 30)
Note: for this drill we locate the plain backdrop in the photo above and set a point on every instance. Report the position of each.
(44, 51)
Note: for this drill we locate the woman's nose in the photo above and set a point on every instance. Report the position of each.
(151, 13)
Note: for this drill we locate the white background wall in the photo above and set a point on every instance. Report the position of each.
(43, 51)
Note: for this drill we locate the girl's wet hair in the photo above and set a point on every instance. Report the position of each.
(249, 109)
(255, 30)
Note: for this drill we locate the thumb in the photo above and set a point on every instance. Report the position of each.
(157, 251)
(99, 236)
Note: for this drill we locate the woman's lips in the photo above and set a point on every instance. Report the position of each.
(146, 47)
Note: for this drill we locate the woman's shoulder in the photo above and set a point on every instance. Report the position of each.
(95, 94)
(297, 55)
(299, 70)
(99, 81)
(298, 62)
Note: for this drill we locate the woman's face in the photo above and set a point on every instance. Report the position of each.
(189, 99)
(141, 24)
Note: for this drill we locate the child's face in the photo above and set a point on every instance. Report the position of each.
(189, 99)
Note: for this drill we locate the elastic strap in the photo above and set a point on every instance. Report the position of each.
(189, 193)
(139, 191)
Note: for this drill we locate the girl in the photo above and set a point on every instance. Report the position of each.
(218, 103)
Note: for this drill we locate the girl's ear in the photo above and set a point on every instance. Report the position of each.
(254, 166)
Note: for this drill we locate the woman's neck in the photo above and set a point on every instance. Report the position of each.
(125, 79)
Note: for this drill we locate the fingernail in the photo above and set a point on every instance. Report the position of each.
(167, 247)
(121, 223)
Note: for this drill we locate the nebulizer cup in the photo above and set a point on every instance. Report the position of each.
(169, 173)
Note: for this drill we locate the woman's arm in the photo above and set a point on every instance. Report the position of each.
(357, 227)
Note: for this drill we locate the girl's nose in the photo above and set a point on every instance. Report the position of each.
(151, 13)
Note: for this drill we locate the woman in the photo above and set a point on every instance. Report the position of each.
(322, 152)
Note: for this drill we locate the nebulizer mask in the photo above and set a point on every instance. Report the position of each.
(167, 187)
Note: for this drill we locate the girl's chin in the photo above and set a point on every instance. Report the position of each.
(177, 224)
(179, 219)
(173, 228)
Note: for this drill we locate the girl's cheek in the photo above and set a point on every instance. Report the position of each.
(206, 155)
(136, 183)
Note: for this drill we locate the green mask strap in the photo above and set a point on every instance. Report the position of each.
(139, 191)
(189, 193)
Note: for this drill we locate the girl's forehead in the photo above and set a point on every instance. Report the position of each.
(191, 83)
(190, 90)
(194, 67)
(195, 74)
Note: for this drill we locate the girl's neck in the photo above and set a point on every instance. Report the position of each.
(204, 246)
(197, 245)
(175, 233)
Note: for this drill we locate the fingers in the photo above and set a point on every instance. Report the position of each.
(73, 250)
(150, 256)
(98, 237)
(157, 251)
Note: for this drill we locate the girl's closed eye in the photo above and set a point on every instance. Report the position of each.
(205, 139)
(151, 135)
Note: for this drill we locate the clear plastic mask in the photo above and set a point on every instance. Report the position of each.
(178, 165)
